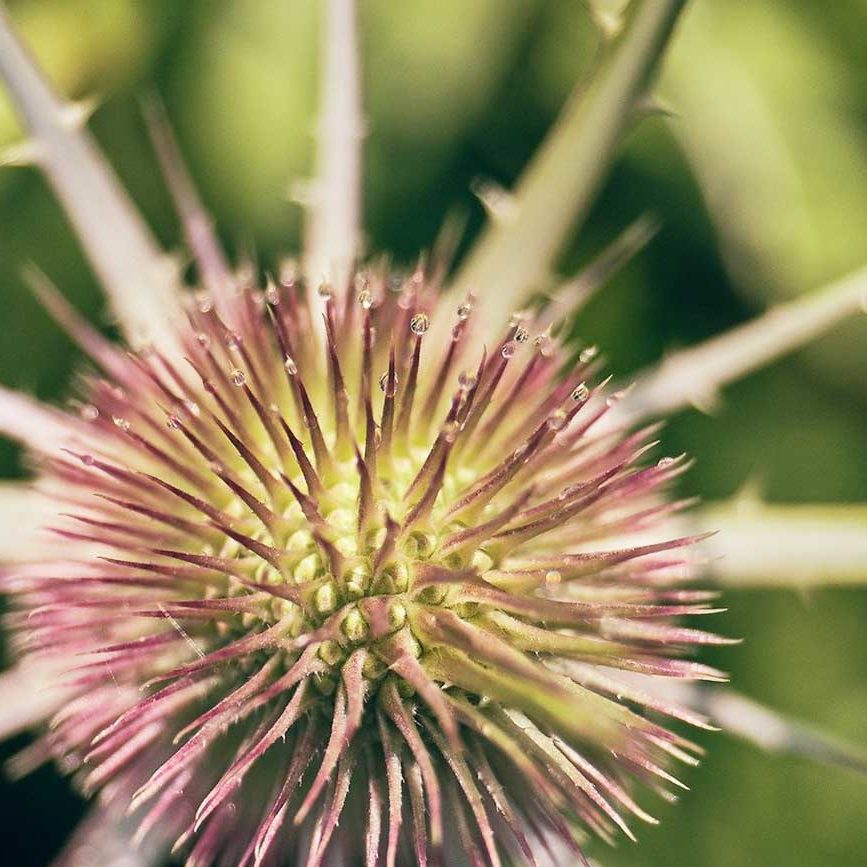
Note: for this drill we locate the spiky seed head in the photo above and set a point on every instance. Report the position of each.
(357, 571)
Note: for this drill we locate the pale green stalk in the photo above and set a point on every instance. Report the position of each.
(139, 279)
(333, 230)
(796, 546)
(694, 376)
(514, 255)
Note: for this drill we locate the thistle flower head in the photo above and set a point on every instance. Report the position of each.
(332, 572)
(353, 571)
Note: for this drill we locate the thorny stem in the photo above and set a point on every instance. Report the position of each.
(333, 231)
(797, 546)
(695, 375)
(138, 277)
(557, 189)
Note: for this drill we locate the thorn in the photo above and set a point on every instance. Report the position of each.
(607, 17)
(75, 115)
(653, 106)
(25, 153)
(501, 206)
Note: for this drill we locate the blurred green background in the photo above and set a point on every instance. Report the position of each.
(760, 180)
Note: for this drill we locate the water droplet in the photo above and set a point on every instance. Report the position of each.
(290, 366)
(324, 290)
(216, 467)
(204, 340)
(588, 354)
(89, 412)
(557, 420)
(272, 295)
(365, 299)
(245, 274)
(121, 422)
(87, 460)
(542, 342)
(521, 335)
(572, 490)
(173, 422)
(288, 272)
(204, 302)
(580, 393)
(450, 431)
(664, 463)
(233, 341)
(419, 323)
(238, 377)
(466, 380)
(553, 578)
(388, 388)
(508, 350)
(464, 311)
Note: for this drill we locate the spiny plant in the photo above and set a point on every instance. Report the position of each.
(350, 566)
(389, 601)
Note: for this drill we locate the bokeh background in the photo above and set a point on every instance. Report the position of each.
(759, 179)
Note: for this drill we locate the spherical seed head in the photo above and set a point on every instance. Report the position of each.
(292, 594)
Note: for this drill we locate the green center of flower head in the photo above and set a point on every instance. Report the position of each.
(381, 568)
(365, 548)
(378, 539)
